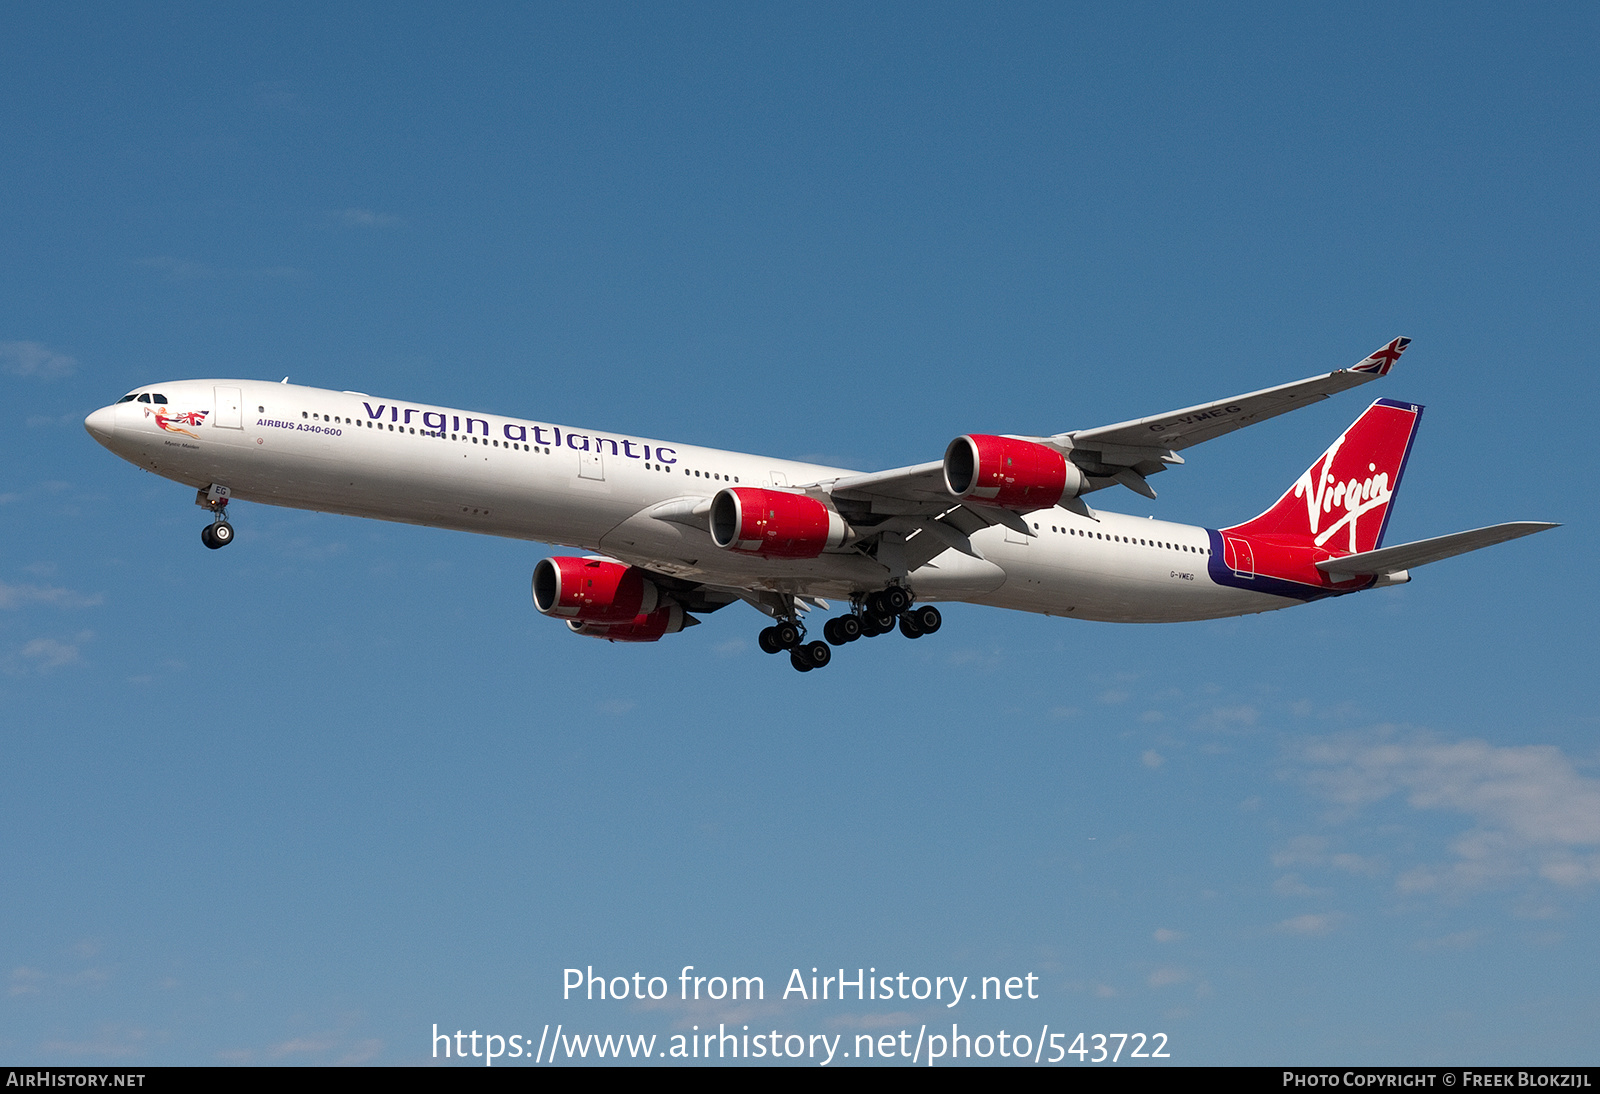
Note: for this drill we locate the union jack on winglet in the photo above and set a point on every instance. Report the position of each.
(1382, 361)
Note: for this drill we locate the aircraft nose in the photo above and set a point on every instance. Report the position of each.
(100, 423)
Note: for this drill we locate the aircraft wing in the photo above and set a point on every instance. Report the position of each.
(899, 492)
(1178, 429)
(1390, 560)
(1125, 453)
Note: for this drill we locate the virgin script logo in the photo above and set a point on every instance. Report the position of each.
(1349, 499)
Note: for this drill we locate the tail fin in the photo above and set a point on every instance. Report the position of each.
(1342, 501)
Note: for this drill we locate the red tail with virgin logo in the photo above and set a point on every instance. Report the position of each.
(1339, 506)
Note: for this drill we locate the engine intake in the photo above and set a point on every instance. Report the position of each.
(774, 524)
(1008, 473)
(593, 590)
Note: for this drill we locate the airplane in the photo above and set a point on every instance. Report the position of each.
(674, 531)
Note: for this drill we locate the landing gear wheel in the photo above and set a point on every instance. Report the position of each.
(882, 624)
(909, 627)
(848, 627)
(207, 538)
(895, 600)
(830, 631)
(768, 640)
(812, 656)
(221, 533)
(787, 635)
(928, 618)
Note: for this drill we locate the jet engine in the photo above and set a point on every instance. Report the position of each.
(1009, 473)
(667, 619)
(594, 590)
(774, 524)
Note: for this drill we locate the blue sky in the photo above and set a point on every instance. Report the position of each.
(299, 800)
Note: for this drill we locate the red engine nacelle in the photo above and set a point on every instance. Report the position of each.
(1009, 473)
(774, 524)
(667, 619)
(593, 590)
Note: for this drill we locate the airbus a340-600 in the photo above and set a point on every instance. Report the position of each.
(675, 530)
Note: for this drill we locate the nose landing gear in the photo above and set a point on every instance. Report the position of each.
(219, 533)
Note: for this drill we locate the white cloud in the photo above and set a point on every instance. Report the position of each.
(46, 653)
(1301, 851)
(1165, 934)
(36, 360)
(1535, 816)
(113, 1040)
(1238, 716)
(15, 596)
(1291, 885)
(1313, 926)
(26, 981)
(1152, 758)
(1168, 975)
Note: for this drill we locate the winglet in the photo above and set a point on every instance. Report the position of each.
(1383, 360)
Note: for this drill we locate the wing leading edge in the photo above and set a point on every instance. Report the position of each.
(1126, 453)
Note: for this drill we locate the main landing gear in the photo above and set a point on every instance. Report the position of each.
(871, 615)
(219, 533)
(789, 635)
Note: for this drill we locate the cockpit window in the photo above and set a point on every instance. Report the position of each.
(128, 398)
(145, 398)
(158, 399)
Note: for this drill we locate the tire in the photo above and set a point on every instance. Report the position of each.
(817, 654)
(830, 631)
(885, 623)
(222, 533)
(787, 635)
(206, 538)
(928, 618)
(849, 627)
(909, 627)
(896, 600)
(800, 663)
(768, 640)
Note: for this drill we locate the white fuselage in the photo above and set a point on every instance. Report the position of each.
(346, 452)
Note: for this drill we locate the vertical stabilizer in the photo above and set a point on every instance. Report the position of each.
(1341, 503)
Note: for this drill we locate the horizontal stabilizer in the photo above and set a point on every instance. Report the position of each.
(1388, 560)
